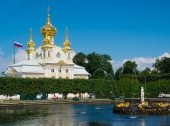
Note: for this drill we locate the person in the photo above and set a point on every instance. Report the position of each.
(54, 97)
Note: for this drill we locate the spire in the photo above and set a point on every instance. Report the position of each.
(48, 10)
(66, 34)
(31, 44)
(30, 34)
(66, 43)
(48, 16)
(30, 50)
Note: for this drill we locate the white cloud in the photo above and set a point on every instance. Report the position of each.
(116, 64)
(6, 61)
(142, 62)
(164, 55)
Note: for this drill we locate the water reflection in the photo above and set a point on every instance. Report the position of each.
(142, 122)
(74, 115)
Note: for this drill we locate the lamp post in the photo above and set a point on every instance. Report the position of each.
(145, 87)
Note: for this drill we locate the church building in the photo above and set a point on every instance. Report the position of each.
(48, 60)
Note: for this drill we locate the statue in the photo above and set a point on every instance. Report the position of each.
(142, 95)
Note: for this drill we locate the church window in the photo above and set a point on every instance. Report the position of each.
(41, 55)
(59, 70)
(52, 70)
(58, 55)
(49, 54)
(36, 55)
(69, 56)
(66, 70)
(44, 54)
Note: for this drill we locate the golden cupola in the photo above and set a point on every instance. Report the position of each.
(31, 50)
(48, 30)
(66, 43)
(31, 44)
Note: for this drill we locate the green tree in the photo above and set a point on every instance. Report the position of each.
(154, 72)
(118, 73)
(80, 59)
(146, 71)
(99, 66)
(162, 65)
(129, 67)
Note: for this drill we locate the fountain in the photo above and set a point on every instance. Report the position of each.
(109, 77)
(142, 108)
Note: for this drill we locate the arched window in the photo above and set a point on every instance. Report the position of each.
(66, 70)
(40, 55)
(52, 70)
(58, 55)
(44, 54)
(69, 55)
(49, 54)
(36, 55)
(59, 70)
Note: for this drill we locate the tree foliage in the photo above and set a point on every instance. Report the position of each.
(162, 65)
(129, 67)
(98, 65)
(80, 59)
(102, 88)
(146, 71)
(118, 73)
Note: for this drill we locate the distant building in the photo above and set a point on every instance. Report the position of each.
(49, 60)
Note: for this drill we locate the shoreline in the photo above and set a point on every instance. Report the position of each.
(12, 103)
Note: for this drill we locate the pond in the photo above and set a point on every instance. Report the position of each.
(75, 115)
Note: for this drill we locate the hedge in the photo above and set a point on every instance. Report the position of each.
(101, 88)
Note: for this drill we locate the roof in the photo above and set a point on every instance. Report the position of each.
(79, 70)
(26, 62)
(28, 67)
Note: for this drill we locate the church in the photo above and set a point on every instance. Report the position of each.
(48, 60)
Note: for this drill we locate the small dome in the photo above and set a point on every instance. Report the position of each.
(31, 44)
(66, 44)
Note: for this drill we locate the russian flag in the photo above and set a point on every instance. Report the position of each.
(17, 44)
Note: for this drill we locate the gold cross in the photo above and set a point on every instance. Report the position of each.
(48, 10)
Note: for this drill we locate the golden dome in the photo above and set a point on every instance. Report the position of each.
(48, 29)
(30, 44)
(66, 43)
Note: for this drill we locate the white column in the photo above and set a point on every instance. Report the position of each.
(29, 56)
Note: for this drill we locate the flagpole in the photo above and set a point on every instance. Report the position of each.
(16, 44)
(14, 52)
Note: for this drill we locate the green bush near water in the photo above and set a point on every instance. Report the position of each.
(101, 88)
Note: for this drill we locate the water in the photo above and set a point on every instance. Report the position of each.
(75, 115)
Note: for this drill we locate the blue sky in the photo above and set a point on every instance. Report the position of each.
(123, 29)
